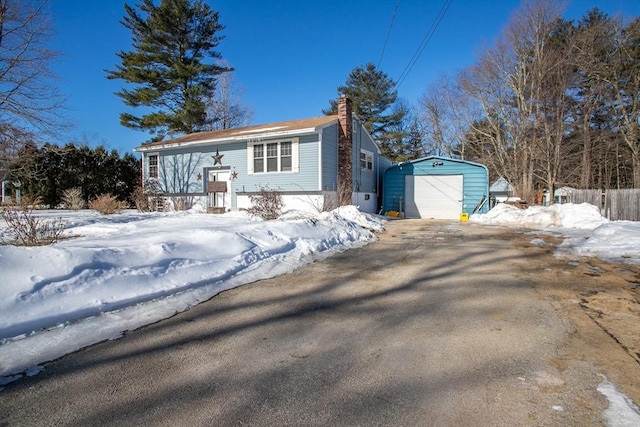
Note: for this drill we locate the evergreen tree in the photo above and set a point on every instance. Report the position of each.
(406, 139)
(373, 95)
(167, 66)
(48, 171)
(414, 148)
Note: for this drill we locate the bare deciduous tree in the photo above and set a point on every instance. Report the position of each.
(444, 115)
(593, 37)
(501, 115)
(12, 142)
(517, 100)
(227, 109)
(550, 103)
(29, 98)
(623, 76)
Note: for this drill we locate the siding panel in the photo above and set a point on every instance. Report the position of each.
(330, 158)
(364, 181)
(304, 180)
(179, 168)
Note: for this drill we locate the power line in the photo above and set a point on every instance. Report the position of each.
(393, 17)
(423, 44)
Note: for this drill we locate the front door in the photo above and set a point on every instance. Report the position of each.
(218, 189)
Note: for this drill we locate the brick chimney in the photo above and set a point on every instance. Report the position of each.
(345, 155)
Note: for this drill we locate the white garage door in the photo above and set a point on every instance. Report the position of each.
(433, 196)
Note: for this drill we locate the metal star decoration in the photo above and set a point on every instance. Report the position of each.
(199, 177)
(234, 175)
(217, 159)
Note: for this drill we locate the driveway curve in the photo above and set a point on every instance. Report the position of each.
(433, 324)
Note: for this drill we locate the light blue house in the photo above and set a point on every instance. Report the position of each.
(436, 187)
(302, 159)
(500, 191)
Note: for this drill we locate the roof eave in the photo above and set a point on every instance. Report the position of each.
(216, 141)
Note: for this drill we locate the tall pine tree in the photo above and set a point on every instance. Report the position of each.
(373, 95)
(414, 145)
(168, 69)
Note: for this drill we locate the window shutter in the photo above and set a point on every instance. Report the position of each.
(249, 158)
(294, 155)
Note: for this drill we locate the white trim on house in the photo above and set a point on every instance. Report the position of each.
(244, 137)
(361, 128)
(295, 149)
(368, 160)
(320, 160)
(147, 165)
(303, 202)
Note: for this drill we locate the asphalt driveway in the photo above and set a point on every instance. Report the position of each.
(434, 324)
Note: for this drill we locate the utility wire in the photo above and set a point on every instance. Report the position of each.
(393, 17)
(423, 44)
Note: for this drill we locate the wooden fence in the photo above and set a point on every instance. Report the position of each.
(614, 204)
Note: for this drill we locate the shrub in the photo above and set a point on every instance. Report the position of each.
(182, 203)
(30, 230)
(148, 197)
(266, 204)
(72, 199)
(140, 199)
(107, 204)
(31, 202)
(328, 202)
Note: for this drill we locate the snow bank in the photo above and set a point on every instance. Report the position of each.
(586, 232)
(585, 216)
(613, 241)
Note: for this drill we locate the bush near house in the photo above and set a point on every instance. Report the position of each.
(107, 204)
(147, 197)
(266, 204)
(72, 199)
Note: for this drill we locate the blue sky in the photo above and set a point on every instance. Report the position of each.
(289, 55)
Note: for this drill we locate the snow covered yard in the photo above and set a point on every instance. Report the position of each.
(123, 271)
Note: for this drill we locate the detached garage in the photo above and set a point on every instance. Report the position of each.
(436, 187)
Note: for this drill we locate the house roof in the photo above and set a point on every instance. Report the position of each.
(448, 159)
(243, 133)
(563, 191)
(501, 185)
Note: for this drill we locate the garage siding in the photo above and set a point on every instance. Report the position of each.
(475, 181)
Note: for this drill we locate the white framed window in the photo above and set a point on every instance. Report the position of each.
(273, 156)
(285, 156)
(258, 158)
(152, 165)
(366, 160)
